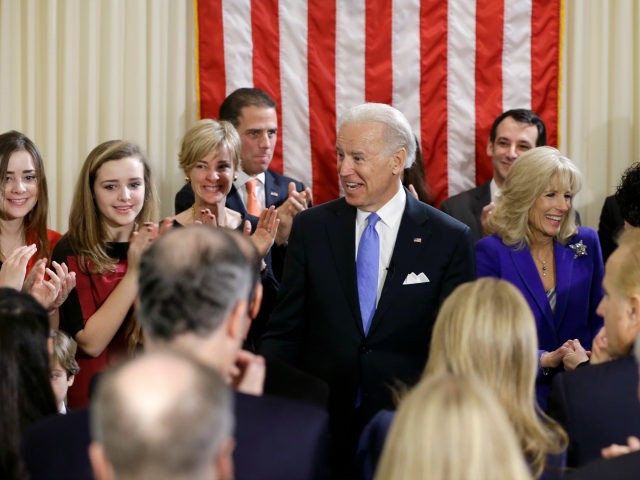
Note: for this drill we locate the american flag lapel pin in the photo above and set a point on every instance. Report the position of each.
(417, 240)
(274, 194)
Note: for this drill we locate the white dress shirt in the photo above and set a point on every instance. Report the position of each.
(387, 227)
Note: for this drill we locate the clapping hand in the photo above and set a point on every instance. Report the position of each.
(296, 202)
(266, 230)
(14, 267)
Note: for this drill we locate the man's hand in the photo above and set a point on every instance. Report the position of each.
(487, 210)
(615, 450)
(600, 353)
(575, 356)
(296, 202)
(248, 373)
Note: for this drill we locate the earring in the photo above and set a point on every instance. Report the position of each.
(187, 179)
(235, 177)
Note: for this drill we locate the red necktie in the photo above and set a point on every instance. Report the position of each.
(253, 206)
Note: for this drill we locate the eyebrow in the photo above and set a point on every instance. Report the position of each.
(23, 171)
(117, 179)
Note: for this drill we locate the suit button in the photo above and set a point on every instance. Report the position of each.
(364, 349)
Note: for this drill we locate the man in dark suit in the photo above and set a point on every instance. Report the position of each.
(621, 462)
(512, 133)
(253, 113)
(359, 298)
(194, 288)
(598, 404)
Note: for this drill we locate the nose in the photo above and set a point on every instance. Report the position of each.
(563, 204)
(512, 152)
(18, 185)
(264, 141)
(125, 193)
(212, 174)
(345, 167)
(600, 309)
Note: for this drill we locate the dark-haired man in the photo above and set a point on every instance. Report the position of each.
(512, 133)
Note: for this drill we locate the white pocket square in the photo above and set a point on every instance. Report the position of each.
(412, 279)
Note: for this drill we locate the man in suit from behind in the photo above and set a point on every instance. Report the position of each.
(162, 416)
(512, 133)
(253, 113)
(621, 462)
(598, 404)
(360, 292)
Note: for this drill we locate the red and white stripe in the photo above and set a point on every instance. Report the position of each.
(450, 66)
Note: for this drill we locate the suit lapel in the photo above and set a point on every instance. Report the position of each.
(413, 225)
(564, 274)
(272, 190)
(234, 201)
(341, 237)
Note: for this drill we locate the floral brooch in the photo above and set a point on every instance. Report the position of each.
(579, 249)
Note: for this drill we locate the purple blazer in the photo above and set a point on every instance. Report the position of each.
(578, 289)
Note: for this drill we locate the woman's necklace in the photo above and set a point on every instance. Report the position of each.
(544, 267)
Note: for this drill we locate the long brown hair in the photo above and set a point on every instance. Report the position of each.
(87, 233)
(35, 222)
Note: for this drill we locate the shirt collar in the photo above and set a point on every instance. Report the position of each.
(244, 178)
(495, 190)
(390, 213)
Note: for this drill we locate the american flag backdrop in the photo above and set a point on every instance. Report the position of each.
(450, 66)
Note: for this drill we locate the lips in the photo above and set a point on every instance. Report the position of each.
(17, 201)
(351, 186)
(123, 208)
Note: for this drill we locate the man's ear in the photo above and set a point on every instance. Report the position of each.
(634, 314)
(399, 160)
(224, 460)
(254, 308)
(102, 469)
(237, 320)
(489, 148)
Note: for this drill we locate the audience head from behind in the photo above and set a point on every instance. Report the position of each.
(620, 305)
(194, 287)
(25, 390)
(485, 330)
(628, 196)
(539, 170)
(253, 113)
(64, 366)
(451, 427)
(162, 416)
(513, 133)
(113, 194)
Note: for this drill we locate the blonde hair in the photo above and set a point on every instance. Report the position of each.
(485, 329)
(451, 428)
(529, 176)
(87, 234)
(64, 352)
(205, 137)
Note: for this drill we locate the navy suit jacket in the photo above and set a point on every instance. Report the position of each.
(624, 467)
(276, 190)
(597, 405)
(275, 438)
(610, 225)
(317, 325)
(578, 290)
(467, 207)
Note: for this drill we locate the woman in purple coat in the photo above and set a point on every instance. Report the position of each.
(536, 245)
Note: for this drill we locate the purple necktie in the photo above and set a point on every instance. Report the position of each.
(367, 270)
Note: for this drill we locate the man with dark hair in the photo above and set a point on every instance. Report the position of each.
(619, 209)
(253, 113)
(512, 133)
(162, 416)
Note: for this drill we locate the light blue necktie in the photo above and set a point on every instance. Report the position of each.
(367, 262)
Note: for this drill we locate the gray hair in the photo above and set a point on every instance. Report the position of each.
(398, 132)
(162, 416)
(190, 280)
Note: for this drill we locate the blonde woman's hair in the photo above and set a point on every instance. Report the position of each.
(485, 329)
(204, 137)
(529, 176)
(87, 233)
(451, 428)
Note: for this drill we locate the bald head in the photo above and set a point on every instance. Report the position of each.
(144, 407)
